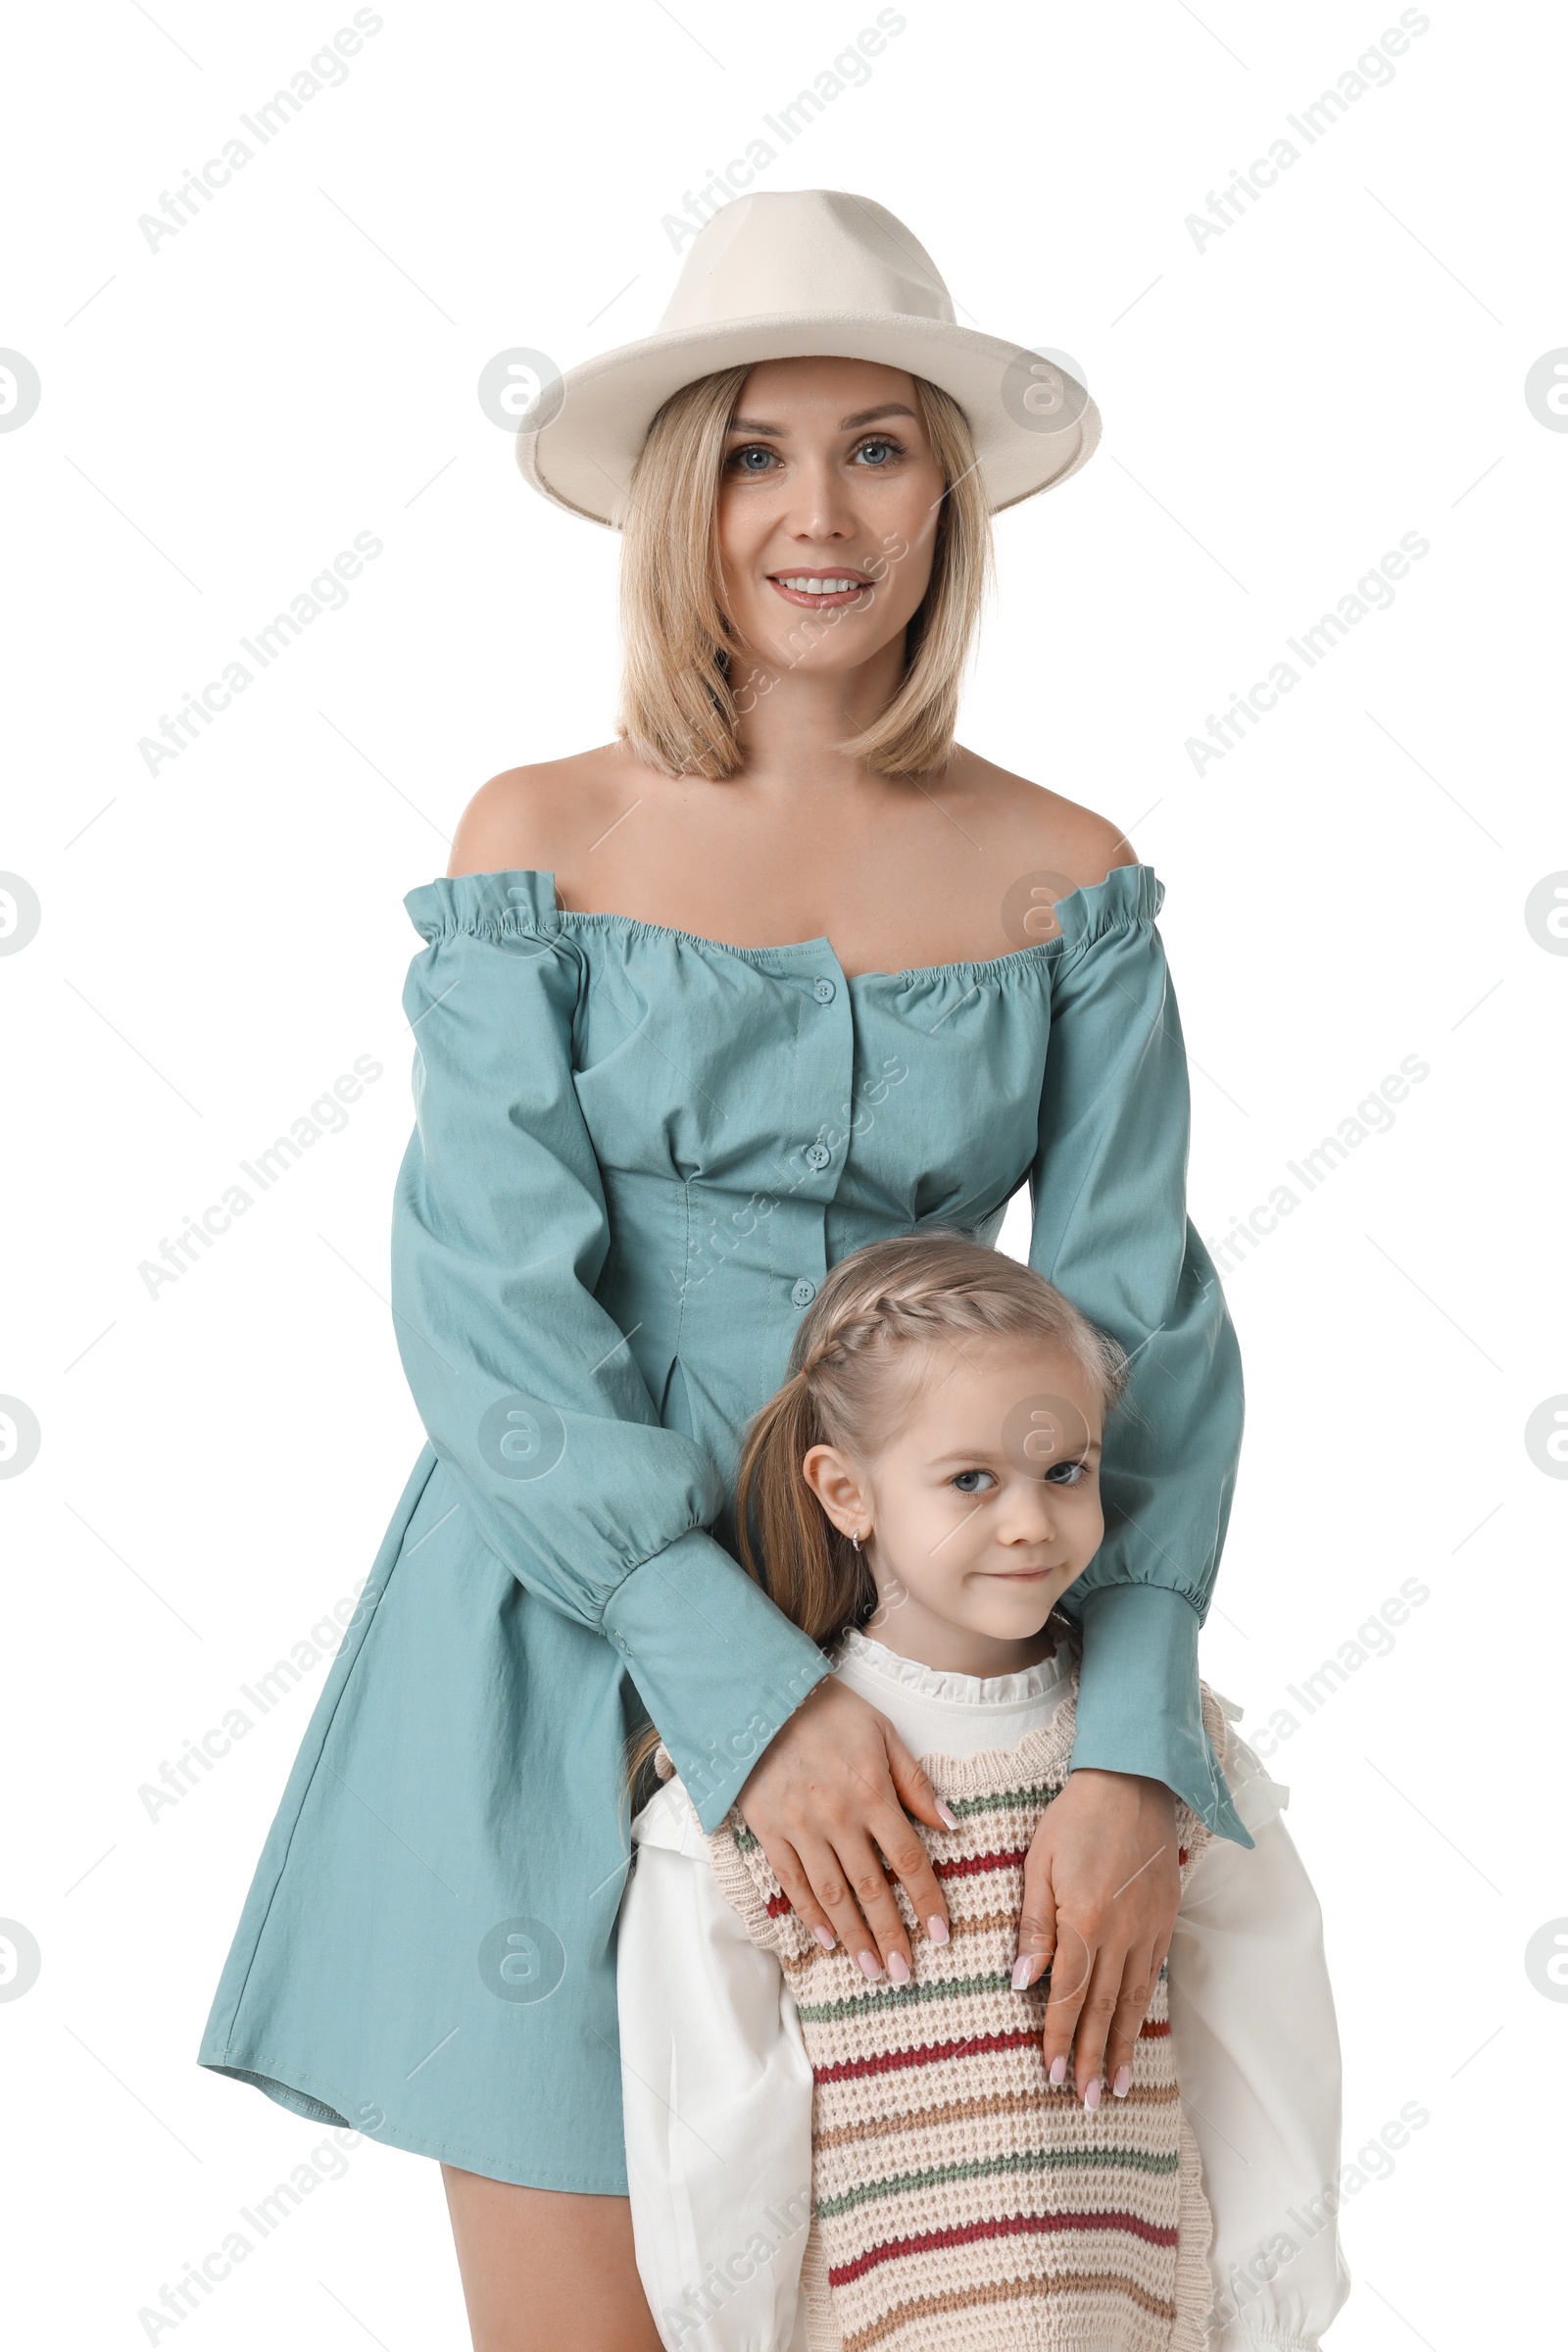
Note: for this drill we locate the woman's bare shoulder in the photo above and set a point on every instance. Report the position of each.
(535, 820)
(1035, 828)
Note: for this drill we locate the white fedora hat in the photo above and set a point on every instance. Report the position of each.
(786, 276)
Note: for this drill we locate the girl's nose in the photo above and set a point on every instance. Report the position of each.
(1030, 1519)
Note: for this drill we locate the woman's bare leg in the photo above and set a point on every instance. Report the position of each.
(546, 2271)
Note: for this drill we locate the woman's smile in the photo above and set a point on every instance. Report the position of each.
(820, 588)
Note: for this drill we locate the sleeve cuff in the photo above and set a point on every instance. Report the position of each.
(717, 1666)
(1138, 1700)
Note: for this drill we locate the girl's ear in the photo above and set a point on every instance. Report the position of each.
(839, 1488)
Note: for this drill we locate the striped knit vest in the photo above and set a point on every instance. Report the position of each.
(959, 2203)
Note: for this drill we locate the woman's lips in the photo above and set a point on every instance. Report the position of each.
(818, 604)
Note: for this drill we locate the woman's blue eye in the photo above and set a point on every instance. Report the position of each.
(968, 1481)
(753, 449)
(880, 441)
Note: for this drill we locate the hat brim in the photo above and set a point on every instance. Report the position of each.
(579, 438)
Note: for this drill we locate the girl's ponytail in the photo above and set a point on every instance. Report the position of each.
(810, 1571)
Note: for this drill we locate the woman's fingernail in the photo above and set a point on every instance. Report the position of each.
(871, 1965)
(1059, 2073)
(948, 1814)
(825, 1937)
(1123, 2082)
(1020, 1971)
(936, 1926)
(898, 1969)
(1092, 2095)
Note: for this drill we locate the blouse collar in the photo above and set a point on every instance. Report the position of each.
(859, 1650)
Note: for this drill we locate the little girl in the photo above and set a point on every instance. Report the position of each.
(817, 2162)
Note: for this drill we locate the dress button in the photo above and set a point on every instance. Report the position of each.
(818, 1155)
(803, 1292)
(824, 991)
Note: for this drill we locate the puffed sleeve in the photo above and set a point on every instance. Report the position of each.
(1257, 2052)
(526, 1387)
(716, 2094)
(1111, 1230)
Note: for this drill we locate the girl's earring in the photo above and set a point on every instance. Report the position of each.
(856, 1541)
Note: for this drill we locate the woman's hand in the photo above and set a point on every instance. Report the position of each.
(829, 1789)
(1100, 1894)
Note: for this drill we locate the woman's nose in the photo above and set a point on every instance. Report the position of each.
(821, 507)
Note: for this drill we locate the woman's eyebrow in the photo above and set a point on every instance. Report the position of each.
(847, 425)
(892, 408)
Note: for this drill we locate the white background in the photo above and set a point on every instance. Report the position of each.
(1344, 364)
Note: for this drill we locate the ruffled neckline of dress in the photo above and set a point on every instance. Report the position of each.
(859, 1650)
(522, 902)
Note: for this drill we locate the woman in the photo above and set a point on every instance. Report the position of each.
(782, 970)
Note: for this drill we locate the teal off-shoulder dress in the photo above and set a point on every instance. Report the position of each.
(636, 1155)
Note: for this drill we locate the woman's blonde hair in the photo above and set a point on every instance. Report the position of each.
(874, 1308)
(679, 699)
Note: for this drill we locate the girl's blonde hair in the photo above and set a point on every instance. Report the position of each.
(858, 1357)
(679, 699)
(873, 1309)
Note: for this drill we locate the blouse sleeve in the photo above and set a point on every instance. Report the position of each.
(717, 2093)
(1257, 2050)
(526, 1387)
(1111, 1230)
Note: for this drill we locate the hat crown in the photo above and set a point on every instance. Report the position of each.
(805, 250)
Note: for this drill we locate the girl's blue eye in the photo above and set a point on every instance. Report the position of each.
(1066, 1473)
(967, 1481)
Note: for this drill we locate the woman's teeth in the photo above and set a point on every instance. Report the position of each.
(811, 586)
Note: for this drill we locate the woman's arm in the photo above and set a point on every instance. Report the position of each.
(526, 1387)
(1110, 1229)
(716, 2090)
(534, 1404)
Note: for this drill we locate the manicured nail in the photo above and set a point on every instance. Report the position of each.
(948, 1814)
(1059, 2073)
(1092, 2095)
(1020, 1971)
(1123, 2082)
(871, 1965)
(898, 1969)
(825, 1937)
(936, 1926)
